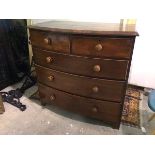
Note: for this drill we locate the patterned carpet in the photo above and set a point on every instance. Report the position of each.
(131, 112)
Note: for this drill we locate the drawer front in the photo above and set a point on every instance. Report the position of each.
(93, 67)
(103, 110)
(50, 41)
(81, 85)
(102, 47)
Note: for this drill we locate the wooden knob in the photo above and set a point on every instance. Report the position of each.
(94, 109)
(49, 59)
(51, 78)
(98, 47)
(95, 89)
(52, 97)
(97, 68)
(47, 41)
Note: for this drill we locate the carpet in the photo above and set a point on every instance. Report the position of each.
(131, 113)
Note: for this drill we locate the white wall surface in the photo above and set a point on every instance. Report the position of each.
(142, 71)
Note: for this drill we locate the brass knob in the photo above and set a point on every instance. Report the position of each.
(52, 97)
(98, 47)
(95, 89)
(49, 59)
(97, 68)
(47, 41)
(51, 78)
(94, 109)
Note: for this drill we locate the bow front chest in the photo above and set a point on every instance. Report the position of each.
(83, 67)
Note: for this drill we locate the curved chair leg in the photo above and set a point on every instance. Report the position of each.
(152, 117)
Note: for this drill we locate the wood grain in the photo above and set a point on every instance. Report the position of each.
(111, 47)
(83, 67)
(86, 28)
(59, 43)
(109, 112)
(80, 85)
(110, 68)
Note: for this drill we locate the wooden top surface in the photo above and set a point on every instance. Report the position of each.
(86, 28)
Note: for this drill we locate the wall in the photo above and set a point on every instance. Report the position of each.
(143, 65)
(142, 71)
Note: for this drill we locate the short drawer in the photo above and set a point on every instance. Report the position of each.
(50, 41)
(110, 112)
(81, 85)
(93, 67)
(102, 47)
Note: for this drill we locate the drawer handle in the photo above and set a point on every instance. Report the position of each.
(95, 89)
(97, 68)
(94, 109)
(98, 47)
(52, 97)
(49, 59)
(47, 41)
(51, 78)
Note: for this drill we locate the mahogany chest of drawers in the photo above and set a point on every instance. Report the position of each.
(83, 67)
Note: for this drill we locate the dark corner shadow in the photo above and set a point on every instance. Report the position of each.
(30, 91)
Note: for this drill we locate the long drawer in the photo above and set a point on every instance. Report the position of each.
(81, 85)
(102, 47)
(109, 112)
(50, 41)
(93, 67)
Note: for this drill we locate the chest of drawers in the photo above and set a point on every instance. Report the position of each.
(83, 67)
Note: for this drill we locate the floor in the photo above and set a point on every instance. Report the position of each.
(49, 120)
